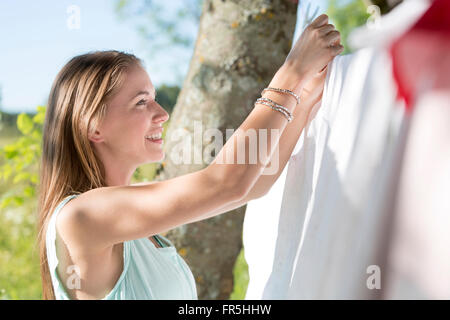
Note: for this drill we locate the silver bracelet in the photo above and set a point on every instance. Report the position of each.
(288, 116)
(277, 107)
(276, 104)
(283, 91)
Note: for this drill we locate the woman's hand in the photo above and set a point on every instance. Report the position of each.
(315, 48)
(312, 91)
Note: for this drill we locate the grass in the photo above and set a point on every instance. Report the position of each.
(241, 278)
(19, 259)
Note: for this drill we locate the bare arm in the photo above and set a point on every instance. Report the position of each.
(102, 217)
(311, 94)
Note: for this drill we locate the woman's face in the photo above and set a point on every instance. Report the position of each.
(131, 115)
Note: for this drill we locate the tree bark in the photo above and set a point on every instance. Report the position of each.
(239, 47)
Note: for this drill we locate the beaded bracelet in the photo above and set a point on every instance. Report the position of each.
(287, 115)
(277, 107)
(297, 98)
(275, 104)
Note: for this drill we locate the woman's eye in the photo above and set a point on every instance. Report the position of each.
(142, 102)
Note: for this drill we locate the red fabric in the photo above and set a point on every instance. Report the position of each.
(421, 56)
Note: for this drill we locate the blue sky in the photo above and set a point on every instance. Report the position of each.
(37, 42)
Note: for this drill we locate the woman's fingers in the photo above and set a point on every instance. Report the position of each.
(332, 38)
(319, 21)
(329, 33)
(316, 47)
(337, 49)
(325, 29)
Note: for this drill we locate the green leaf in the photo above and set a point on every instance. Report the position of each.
(24, 123)
(36, 134)
(29, 191)
(5, 202)
(39, 118)
(22, 176)
(10, 151)
(9, 148)
(34, 178)
(19, 164)
(24, 142)
(18, 200)
(28, 157)
(7, 170)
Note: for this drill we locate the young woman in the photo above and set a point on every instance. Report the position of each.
(98, 234)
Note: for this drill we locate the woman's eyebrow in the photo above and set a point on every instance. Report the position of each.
(145, 92)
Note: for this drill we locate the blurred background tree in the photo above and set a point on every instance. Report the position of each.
(153, 21)
(230, 66)
(164, 25)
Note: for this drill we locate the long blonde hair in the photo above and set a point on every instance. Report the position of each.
(76, 105)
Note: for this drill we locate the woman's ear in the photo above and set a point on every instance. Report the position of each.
(95, 136)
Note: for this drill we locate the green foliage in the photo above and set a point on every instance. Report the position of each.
(20, 160)
(167, 96)
(347, 17)
(20, 151)
(241, 278)
(19, 259)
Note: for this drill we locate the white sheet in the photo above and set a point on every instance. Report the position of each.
(418, 264)
(320, 227)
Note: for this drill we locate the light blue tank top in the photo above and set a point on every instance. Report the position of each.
(149, 272)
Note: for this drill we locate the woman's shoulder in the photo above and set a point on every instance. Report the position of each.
(67, 221)
(72, 251)
(66, 209)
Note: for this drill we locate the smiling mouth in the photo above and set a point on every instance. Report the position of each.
(154, 136)
(157, 140)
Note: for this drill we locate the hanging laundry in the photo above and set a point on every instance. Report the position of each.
(418, 254)
(421, 56)
(319, 233)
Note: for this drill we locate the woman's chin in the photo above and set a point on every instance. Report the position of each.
(156, 157)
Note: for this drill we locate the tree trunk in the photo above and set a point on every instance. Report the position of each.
(240, 45)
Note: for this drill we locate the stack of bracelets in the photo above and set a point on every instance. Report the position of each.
(275, 106)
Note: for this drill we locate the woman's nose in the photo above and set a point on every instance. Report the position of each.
(161, 115)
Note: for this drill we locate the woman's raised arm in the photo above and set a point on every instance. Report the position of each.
(102, 217)
(311, 94)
